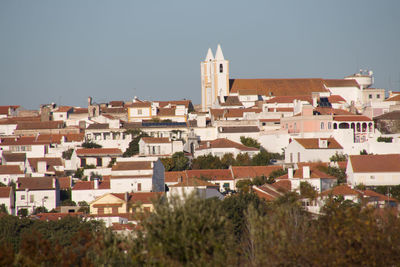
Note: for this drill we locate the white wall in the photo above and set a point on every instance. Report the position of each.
(39, 199)
(88, 195)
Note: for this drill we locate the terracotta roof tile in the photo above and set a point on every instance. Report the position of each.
(336, 99)
(278, 87)
(280, 109)
(98, 126)
(166, 112)
(238, 129)
(116, 103)
(240, 172)
(65, 182)
(186, 103)
(132, 165)
(89, 185)
(313, 143)
(15, 120)
(214, 174)
(231, 101)
(375, 163)
(341, 83)
(341, 190)
(50, 162)
(140, 105)
(174, 176)
(63, 109)
(36, 183)
(332, 111)
(56, 216)
(351, 118)
(395, 97)
(14, 157)
(10, 169)
(39, 125)
(5, 191)
(99, 152)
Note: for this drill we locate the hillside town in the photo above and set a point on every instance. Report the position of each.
(109, 161)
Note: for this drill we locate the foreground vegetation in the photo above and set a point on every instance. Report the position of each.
(241, 230)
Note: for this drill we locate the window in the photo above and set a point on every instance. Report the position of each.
(226, 186)
(99, 162)
(139, 187)
(329, 125)
(31, 198)
(22, 197)
(139, 111)
(370, 96)
(83, 162)
(378, 96)
(322, 126)
(221, 68)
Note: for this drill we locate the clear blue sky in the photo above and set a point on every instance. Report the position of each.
(64, 51)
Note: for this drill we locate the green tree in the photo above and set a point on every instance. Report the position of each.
(207, 162)
(133, 148)
(178, 162)
(3, 208)
(338, 157)
(90, 144)
(67, 154)
(308, 191)
(243, 159)
(250, 142)
(68, 202)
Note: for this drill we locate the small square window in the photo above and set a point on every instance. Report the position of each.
(378, 96)
(370, 96)
(22, 197)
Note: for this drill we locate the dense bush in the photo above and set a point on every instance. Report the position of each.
(385, 139)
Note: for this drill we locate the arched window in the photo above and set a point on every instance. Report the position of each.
(221, 68)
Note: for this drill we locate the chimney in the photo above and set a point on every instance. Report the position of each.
(290, 173)
(306, 171)
(322, 143)
(41, 166)
(208, 144)
(96, 183)
(89, 100)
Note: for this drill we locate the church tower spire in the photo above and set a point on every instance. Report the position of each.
(214, 79)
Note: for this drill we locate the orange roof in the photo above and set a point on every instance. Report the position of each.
(140, 105)
(394, 97)
(193, 182)
(5, 192)
(370, 193)
(10, 169)
(15, 120)
(63, 109)
(65, 182)
(341, 83)
(23, 140)
(50, 163)
(56, 216)
(240, 172)
(332, 111)
(36, 183)
(131, 165)
(280, 109)
(375, 163)
(174, 176)
(99, 152)
(351, 118)
(278, 87)
(341, 190)
(166, 112)
(39, 125)
(282, 185)
(89, 185)
(174, 103)
(210, 174)
(156, 140)
(224, 143)
(142, 197)
(336, 99)
(313, 143)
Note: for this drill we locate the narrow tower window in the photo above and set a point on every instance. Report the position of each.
(221, 68)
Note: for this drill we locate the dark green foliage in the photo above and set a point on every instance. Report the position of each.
(67, 154)
(2, 185)
(363, 152)
(246, 184)
(90, 144)
(3, 209)
(277, 173)
(40, 209)
(79, 173)
(133, 148)
(250, 142)
(90, 166)
(22, 212)
(111, 163)
(207, 162)
(307, 191)
(393, 191)
(178, 162)
(385, 139)
(68, 202)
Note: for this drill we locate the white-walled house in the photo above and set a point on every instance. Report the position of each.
(221, 146)
(89, 190)
(159, 146)
(10, 173)
(137, 174)
(99, 157)
(9, 158)
(7, 198)
(188, 186)
(312, 149)
(37, 192)
(373, 170)
(44, 166)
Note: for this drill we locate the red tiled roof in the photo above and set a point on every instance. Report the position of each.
(140, 105)
(5, 191)
(63, 109)
(370, 193)
(80, 110)
(282, 185)
(36, 183)
(174, 103)
(224, 143)
(267, 192)
(341, 83)
(15, 120)
(65, 182)
(341, 190)
(375, 163)
(156, 140)
(166, 112)
(50, 163)
(313, 143)
(10, 169)
(210, 174)
(14, 157)
(142, 197)
(116, 103)
(99, 152)
(336, 99)
(240, 172)
(4, 109)
(351, 118)
(280, 109)
(395, 97)
(174, 176)
(278, 87)
(132, 165)
(89, 185)
(193, 182)
(56, 216)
